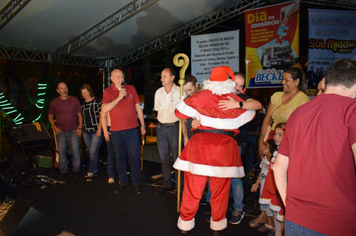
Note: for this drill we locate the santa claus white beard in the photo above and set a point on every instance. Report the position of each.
(219, 88)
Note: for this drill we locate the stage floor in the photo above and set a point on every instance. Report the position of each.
(93, 208)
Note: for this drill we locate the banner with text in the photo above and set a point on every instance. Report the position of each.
(211, 50)
(332, 35)
(272, 43)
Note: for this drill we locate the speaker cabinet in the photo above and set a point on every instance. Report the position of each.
(29, 137)
(22, 219)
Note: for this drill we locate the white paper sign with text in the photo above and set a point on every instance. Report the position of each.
(212, 50)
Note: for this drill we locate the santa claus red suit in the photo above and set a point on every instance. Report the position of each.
(211, 153)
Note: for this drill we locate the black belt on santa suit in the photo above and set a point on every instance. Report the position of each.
(214, 131)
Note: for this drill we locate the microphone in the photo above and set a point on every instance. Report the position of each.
(123, 86)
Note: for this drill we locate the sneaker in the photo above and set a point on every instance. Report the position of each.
(236, 217)
(265, 228)
(111, 180)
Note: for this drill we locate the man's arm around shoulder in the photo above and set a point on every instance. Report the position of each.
(249, 104)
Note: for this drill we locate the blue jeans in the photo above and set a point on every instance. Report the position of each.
(127, 142)
(237, 193)
(167, 143)
(237, 190)
(93, 144)
(111, 167)
(293, 229)
(63, 140)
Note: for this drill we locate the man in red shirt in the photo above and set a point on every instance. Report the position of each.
(122, 103)
(317, 157)
(68, 127)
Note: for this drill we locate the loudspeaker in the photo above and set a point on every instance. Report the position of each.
(20, 161)
(28, 135)
(22, 219)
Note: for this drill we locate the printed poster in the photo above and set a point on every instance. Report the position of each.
(211, 50)
(332, 35)
(272, 43)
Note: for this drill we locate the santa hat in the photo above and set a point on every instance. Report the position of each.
(221, 74)
(221, 81)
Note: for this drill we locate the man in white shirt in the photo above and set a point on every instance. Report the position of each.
(166, 99)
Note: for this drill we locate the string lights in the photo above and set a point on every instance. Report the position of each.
(40, 99)
(8, 108)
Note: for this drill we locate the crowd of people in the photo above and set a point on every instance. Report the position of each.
(307, 148)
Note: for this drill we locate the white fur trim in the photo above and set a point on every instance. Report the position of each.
(280, 217)
(206, 170)
(218, 225)
(183, 108)
(217, 123)
(264, 201)
(186, 225)
(274, 207)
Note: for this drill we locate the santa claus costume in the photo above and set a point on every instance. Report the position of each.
(212, 153)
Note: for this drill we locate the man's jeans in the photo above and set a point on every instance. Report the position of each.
(127, 142)
(93, 144)
(293, 229)
(237, 193)
(167, 143)
(63, 139)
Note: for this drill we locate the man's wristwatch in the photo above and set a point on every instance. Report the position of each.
(80, 128)
(241, 105)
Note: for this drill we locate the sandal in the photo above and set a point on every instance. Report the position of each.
(89, 178)
(265, 228)
(111, 180)
(256, 223)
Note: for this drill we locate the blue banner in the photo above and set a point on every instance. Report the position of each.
(332, 36)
